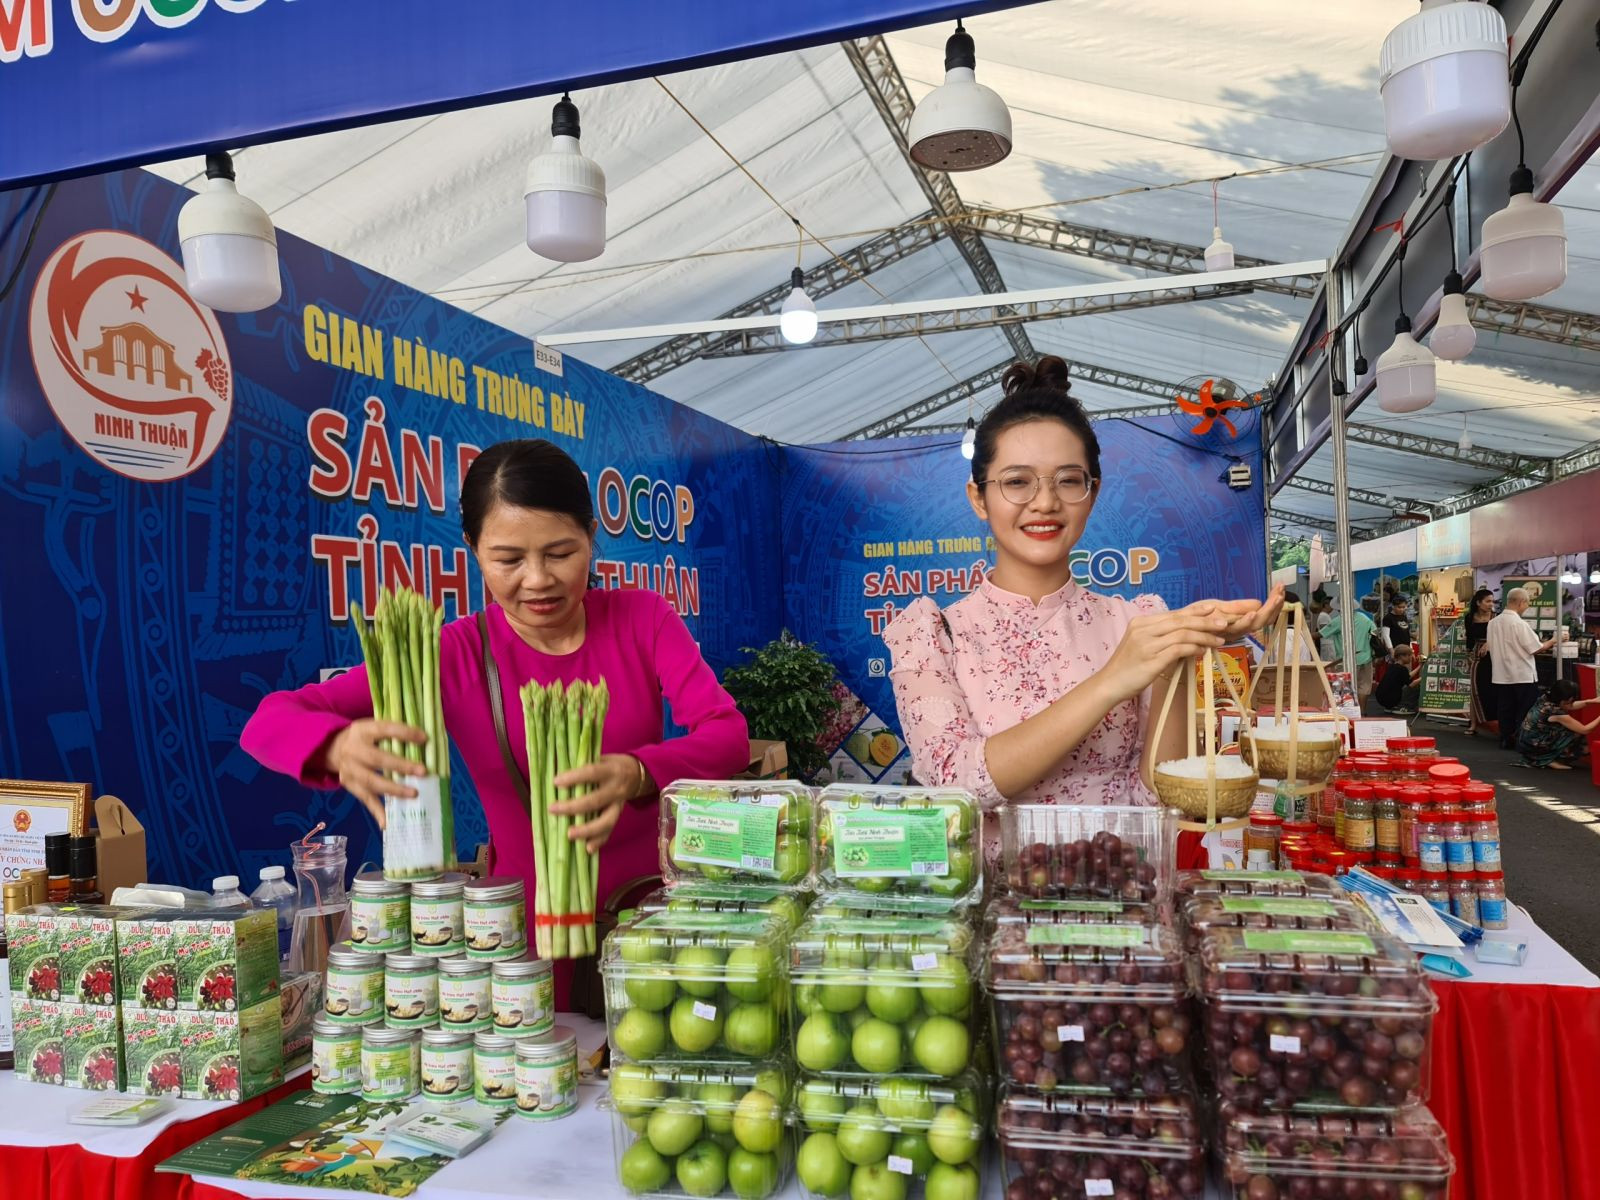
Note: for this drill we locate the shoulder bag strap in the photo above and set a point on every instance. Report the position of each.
(497, 708)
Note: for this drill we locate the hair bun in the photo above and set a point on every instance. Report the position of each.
(1049, 373)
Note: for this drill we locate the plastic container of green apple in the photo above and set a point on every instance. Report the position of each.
(787, 904)
(895, 1138)
(736, 831)
(1067, 1145)
(886, 995)
(1404, 1155)
(708, 987)
(701, 1131)
(902, 842)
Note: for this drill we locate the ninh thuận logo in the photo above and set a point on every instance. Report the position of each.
(135, 369)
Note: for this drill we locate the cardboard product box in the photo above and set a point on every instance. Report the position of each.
(147, 959)
(36, 1038)
(91, 1037)
(120, 850)
(87, 941)
(152, 1058)
(768, 760)
(33, 954)
(227, 958)
(232, 1055)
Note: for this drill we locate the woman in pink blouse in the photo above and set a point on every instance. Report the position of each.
(528, 518)
(1032, 689)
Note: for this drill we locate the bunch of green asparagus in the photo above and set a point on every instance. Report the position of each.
(401, 648)
(564, 726)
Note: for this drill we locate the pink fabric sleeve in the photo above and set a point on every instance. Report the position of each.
(946, 747)
(289, 729)
(717, 745)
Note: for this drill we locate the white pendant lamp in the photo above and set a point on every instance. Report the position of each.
(1523, 251)
(1444, 79)
(1453, 334)
(1407, 372)
(1219, 254)
(230, 249)
(797, 319)
(960, 125)
(969, 440)
(565, 195)
(1594, 575)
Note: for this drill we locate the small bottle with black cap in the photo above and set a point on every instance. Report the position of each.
(58, 865)
(84, 872)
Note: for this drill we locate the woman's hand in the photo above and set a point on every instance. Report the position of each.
(1248, 616)
(616, 779)
(1156, 644)
(357, 756)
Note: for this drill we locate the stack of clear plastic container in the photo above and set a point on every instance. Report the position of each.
(1384, 1156)
(1073, 1145)
(1088, 852)
(756, 833)
(904, 843)
(787, 904)
(1202, 914)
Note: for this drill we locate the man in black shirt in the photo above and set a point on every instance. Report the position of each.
(1397, 624)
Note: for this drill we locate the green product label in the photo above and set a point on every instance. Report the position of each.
(1080, 906)
(1087, 935)
(699, 921)
(379, 924)
(496, 930)
(336, 1065)
(438, 927)
(494, 1078)
(720, 833)
(1294, 941)
(465, 1003)
(1280, 906)
(1253, 876)
(909, 843)
(390, 1072)
(226, 964)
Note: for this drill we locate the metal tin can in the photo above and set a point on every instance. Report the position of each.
(547, 1075)
(523, 994)
(436, 918)
(466, 1000)
(495, 917)
(353, 991)
(391, 1067)
(335, 1057)
(410, 991)
(380, 914)
(446, 1064)
(494, 1070)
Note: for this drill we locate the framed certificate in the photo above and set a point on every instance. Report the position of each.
(31, 809)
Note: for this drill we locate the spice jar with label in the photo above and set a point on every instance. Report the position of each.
(335, 1057)
(1445, 795)
(1328, 803)
(547, 1075)
(523, 995)
(1386, 821)
(494, 1070)
(1436, 891)
(1464, 897)
(1457, 844)
(1261, 841)
(352, 992)
(1360, 831)
(1409, 878)
(1485, 841)
(1477, 798)
(1430, 843)
(495, 918)
(465, 999)
(1413, 803)
(437, 926)
(410, 991)
(446, 1058)
(1492, 899)
(380, 914)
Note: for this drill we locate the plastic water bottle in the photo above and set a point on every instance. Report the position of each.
(225, 893)
(274, 892)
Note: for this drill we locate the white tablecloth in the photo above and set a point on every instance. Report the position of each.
(1547, 961)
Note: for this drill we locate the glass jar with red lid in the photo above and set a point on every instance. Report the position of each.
(1449, 771)
(1407, 768)
(1409, 878)
(1416, 747)
(1445, 796)
(1328, 805)
(1413, 803)
(1477, 798)
(1262, 841)
(1360, 830)
(1339, 862)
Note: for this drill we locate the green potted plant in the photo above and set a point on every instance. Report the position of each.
(786, 693)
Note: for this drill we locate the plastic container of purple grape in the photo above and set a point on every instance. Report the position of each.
(1092, 1008)
(1202, 914)
(1308, 1156)
(1054, 1146)
(1255, 883)
(1007, 909)
(1089, 851)
(1296, 1019)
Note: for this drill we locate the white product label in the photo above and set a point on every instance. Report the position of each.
(411, 1000)
(524, 1005)
(549, 360)
(924, 962)
(413, 829)
(496, 930)
(447, 1071)
(1070, 1033)
(6, 1041)
(380, 923)
(900, 1166)
(1283, 1044)
(706, 1012)
(1098, 1187)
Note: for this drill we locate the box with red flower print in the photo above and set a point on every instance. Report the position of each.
(147, 959)
(152, 1050)
(87, 938)
(231, 1055)
(227, 959)
(91, 1041)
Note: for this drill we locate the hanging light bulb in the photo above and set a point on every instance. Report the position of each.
(969, 440)
(797, 319)
(1465, 443)
(230, 249)
(1219, 254)
(1407, 372)
(1453, 334)
(1443, 77)
(565, 197)
(1594, 575)
(1524, 245)
(960, 125)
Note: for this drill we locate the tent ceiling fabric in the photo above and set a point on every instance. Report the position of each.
(1105, 95)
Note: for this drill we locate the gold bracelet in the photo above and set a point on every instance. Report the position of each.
(644, 786)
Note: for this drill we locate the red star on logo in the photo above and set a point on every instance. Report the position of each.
(136, 298)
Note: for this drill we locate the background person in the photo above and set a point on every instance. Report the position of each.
(1360, 664)
(1550, 736)
(1512, 644)
(1485, 704)
(1400, 688)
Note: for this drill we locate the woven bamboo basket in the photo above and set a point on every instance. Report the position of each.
(1270, 757)
(1235, 795)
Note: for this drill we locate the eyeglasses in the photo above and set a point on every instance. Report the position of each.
(1019, 486)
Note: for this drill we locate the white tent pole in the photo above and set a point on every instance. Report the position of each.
(1334, 297)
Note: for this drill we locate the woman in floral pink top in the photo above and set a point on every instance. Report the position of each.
(1032, 689)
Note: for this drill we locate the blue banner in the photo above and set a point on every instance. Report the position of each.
(870, 526)
(193, 500)
(91, 84)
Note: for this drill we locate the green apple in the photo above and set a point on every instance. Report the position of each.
(819, 1045)
(752, 1176)
(947, 987)
(640, 1035)
(807, 999)
(888, 1000)
(637, 1124)
(905, 1101)
(914, 1146)
(862, 1137)
(842, 995)
(874, 884)
(717, 1101)
(857, 1017)
(699, 970)
(752, 1030)
(691, 1033)
(727, 1141)
(942, 1046)
(821, 1107)
(953, 1135)
(642, 1169)
(638, 946)
(947, 1182)
(822, 1169)
(958, 881)
(650, 988)
(786, 908)
(703, 1169)
(750, 971)
(758, 1122)
(675, 1126)
(774, 1084)
(877, 1182)
(876, 1047)
(633, 1091)
(792, 859)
